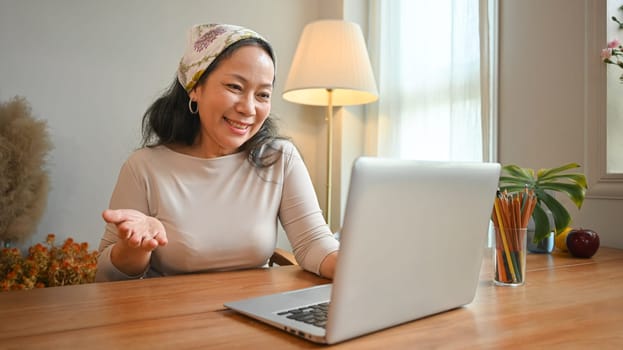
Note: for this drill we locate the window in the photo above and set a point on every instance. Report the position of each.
(614, 121)
(432, 65)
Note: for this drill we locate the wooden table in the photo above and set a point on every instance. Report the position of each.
(566, 303)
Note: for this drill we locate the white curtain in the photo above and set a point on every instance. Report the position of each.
(432, 61)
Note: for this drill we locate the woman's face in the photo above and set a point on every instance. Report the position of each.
(234, 100)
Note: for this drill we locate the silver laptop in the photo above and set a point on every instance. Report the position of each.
(411, 246)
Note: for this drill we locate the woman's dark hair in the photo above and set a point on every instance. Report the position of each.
(168, 120)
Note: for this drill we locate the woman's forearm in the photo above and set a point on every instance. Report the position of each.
(130, 261)
(327, 267)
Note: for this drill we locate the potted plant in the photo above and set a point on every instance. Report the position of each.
(544, 183)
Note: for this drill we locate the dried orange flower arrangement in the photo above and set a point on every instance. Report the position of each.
(47, 265)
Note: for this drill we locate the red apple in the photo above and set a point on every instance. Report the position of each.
(582, 243)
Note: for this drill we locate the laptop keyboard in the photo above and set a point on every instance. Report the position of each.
(312, 314)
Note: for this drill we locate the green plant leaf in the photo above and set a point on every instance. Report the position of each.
(541, 224)
(518, 172)
(575, 192)
(544, 173)
(562, 219)
(575, 178)
(509, 178)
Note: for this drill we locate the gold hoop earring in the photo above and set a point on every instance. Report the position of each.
(190, 107)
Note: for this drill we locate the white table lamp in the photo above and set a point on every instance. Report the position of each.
(330, 68)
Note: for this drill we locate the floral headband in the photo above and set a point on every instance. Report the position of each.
(205, 43)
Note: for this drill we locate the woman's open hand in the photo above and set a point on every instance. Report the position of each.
(137, 230)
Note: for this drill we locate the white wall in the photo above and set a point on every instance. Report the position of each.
(90, 69)
(546, 79)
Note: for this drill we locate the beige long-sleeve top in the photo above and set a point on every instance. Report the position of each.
(219, 213)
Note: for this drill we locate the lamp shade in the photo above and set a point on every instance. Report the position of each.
(331, 54)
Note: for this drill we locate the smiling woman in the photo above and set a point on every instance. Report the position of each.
(206, 191)
(232, 107)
